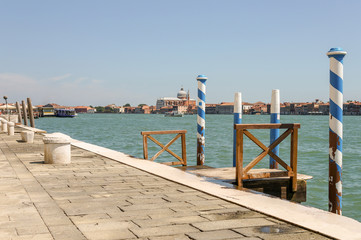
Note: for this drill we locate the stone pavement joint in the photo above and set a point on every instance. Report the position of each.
(95, 197)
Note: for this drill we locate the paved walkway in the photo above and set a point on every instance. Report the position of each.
(98, 198)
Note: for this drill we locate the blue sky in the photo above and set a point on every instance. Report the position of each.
(102, 52)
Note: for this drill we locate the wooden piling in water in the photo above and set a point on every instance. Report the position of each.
(25, 116)
(31, 113)
(18, 109)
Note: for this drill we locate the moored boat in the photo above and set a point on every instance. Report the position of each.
(173, 114)
(65, 112)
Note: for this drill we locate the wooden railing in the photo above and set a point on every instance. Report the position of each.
(291, 170)
(180, 133)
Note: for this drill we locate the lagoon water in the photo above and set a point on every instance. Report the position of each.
(121, 132)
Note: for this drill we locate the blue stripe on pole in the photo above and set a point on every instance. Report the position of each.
(340, 142)
(237, 119)
(336, 81)
(200, 130)
(201, 95)
(336, 111)
(340, 199)
(201, 113)
(338, 57)
(274, 134)
(274, 118)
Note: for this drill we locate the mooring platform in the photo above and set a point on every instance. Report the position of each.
(268, 181)
(105, 194)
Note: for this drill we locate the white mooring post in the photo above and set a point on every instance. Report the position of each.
(4, 125)
(27, 136)
(11, 128)
(275, 118)
(237, 119)
(57, 148)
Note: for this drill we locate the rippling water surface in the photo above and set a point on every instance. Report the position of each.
(121, 132)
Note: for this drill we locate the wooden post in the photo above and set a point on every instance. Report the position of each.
(145, 146)
(294, 143)
(239, 157)
(31, 113)
(20, 119)
(184, 149)
(25, 115)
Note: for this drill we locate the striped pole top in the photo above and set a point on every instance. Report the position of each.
(336, 56)
(201, 104)
(275, 102)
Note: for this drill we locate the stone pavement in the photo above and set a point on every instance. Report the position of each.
(98, 198)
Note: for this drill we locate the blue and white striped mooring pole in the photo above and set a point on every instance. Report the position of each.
(237, 112)
(201, 118)
(275, 118)
(336, 56)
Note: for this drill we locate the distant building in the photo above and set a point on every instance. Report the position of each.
(144, 109)
(84, 109)
(225, 108)
(211, 108)
(182, 101)
(48, 110)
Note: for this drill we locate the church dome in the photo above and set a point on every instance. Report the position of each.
(182, 94)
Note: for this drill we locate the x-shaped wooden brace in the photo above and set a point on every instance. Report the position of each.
(165, 147)
(267, 151)
(292, 128)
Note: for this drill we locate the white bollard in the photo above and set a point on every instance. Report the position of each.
(11, 128)
(57, 149)
(4, 125)
(27, 136)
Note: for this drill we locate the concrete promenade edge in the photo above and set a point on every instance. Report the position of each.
(329, 224)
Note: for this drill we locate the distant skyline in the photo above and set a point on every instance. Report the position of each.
(89, 52)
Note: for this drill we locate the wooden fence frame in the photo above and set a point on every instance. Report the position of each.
(180, 133)
(291, 171)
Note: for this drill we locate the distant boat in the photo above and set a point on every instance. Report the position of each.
(65, 113)
(173, 114)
